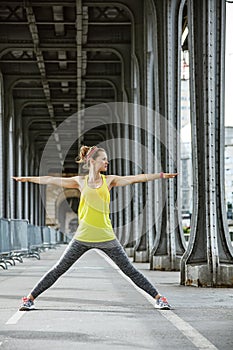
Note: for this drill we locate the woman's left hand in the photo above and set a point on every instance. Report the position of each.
(169, 175)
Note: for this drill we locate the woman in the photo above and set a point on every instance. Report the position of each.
(95, 229)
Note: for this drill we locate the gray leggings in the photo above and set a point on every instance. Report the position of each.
(75, 250)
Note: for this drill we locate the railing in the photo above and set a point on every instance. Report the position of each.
(19, 239)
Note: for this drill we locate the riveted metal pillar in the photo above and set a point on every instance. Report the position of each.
(123, 114)
(2, 174)
(151, 164)
(18, 192)
(127, 234)
(140, 249)
(169, 243)
(122, 195)
(42, 217)
(31, 185)
(141, 253)
(8, 149)
(116, 169)
(18, 162)
(208, 260)
(37, 197)
(126, 118)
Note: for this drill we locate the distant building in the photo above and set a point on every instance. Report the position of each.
(186, 178)
(186, 172)
(229, 170)
(186, 161)
(186, 150)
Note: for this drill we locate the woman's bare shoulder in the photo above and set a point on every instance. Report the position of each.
(110, 177)
(110, 180)
(80, 179)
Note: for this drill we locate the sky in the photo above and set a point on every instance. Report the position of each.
(229, 66)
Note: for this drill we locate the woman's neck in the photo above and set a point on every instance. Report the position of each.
(94, 176)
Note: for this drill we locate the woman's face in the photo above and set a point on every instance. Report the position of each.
(101, 161)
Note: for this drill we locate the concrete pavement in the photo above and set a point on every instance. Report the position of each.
(94, 307)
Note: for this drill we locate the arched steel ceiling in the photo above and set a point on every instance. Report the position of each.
(58, 57)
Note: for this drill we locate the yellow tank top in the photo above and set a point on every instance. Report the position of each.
(93, 213)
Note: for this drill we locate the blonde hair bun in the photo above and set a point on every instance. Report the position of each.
(82, 154)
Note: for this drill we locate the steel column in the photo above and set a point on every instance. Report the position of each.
(8, 148)
(139, 119)
(169, 244)
(18, 162)
(2, 174)
(209, 257)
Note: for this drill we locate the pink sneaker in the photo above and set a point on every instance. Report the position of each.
(162, 304)
(27, 304)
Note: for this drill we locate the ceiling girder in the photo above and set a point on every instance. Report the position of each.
(69, 49)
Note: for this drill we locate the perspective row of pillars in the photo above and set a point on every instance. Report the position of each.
(18, 156)
(208, 259)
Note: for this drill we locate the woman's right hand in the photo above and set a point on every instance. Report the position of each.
(20, 178)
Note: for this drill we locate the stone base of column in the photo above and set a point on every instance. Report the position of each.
(141, 256)
(129, 251)
(164, 263)
(200, 276)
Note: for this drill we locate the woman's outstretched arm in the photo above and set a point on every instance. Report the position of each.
(68, 182)
(132, 179)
